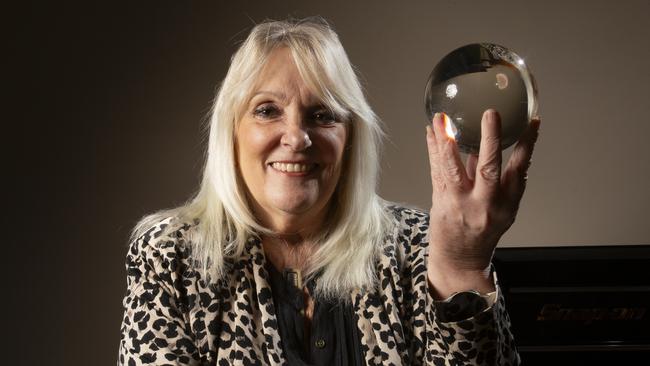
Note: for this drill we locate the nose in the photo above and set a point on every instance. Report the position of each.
(296, 137)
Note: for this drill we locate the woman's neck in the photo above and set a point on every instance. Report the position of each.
(288, 252)
(293, 227)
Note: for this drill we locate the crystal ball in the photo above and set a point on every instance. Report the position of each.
(474, 78)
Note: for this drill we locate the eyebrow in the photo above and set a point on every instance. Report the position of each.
(282, 96)
(279, 95)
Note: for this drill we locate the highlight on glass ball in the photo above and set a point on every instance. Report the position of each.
(477, 77)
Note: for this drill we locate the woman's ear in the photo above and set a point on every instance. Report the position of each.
(348, 135)
(235, 157)
(235, 150)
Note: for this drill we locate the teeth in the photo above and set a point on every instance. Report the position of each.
(292, 168)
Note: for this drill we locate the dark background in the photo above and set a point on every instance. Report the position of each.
(107, 105)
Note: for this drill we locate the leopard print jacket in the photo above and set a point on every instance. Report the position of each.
(171, 317)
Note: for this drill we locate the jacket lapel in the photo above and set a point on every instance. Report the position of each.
(378, 320)
(265, 323)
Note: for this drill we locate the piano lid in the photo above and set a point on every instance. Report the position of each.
(577, 299)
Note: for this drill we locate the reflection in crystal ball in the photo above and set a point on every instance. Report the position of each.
(474, 78)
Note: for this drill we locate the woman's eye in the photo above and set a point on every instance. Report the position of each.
(324, 116)
(266, 111)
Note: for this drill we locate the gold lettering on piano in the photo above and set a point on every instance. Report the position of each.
(588, 315)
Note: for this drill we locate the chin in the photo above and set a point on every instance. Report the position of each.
(295, 208)
(295, 205)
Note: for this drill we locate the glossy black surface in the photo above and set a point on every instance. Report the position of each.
(578, 305)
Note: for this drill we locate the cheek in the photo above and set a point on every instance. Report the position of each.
(333, 154)
(336, 141)
(253, 144)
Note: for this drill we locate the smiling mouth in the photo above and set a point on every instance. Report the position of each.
(293, 167)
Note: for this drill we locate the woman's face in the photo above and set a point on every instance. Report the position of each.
(289, 149)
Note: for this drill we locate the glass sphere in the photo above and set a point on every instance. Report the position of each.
(474, 78)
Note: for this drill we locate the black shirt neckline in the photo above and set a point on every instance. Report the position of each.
(334, 338)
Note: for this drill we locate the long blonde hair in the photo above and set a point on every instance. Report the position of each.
(350, 246)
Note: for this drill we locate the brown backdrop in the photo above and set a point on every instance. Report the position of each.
(107, 103)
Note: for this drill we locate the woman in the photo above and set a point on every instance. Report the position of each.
(287, 255)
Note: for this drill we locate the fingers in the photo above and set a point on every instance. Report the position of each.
(488, 168)
(516, 171)
(470, 166)
(449, 164)
(436, 179)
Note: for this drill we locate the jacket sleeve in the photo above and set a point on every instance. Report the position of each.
(482, 338)
(154, 330)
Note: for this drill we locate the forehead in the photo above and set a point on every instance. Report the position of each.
(280, 77)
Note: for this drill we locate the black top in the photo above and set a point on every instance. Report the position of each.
(334, 338)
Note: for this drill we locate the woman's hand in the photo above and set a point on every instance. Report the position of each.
(472, 206)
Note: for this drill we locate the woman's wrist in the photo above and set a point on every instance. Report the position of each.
(445, 280)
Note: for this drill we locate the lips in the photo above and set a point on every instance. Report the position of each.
(293, 167)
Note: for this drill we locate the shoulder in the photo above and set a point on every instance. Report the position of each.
(409, 238)
(409, 221)
(409, 216)
(162, 241)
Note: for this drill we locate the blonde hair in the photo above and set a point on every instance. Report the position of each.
(350, 245)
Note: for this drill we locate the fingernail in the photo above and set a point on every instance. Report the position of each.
(441, 119)
(536, 122)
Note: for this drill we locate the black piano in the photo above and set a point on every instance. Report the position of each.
(578, 305)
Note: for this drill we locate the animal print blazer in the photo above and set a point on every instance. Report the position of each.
(172, 318)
